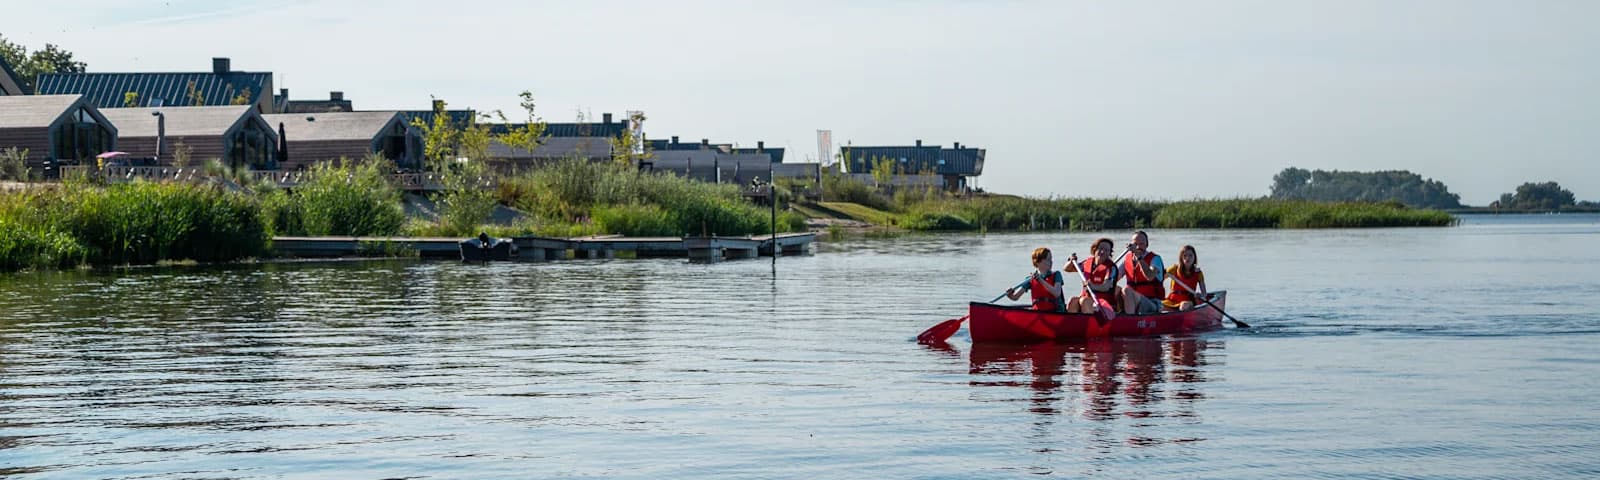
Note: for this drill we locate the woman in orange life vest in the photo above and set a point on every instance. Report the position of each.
(1185, 274)
(1101, 273)
(1044, 284)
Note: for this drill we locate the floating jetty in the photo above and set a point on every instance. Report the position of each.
(536, 249)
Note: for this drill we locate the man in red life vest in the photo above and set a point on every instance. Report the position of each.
(1145, 275)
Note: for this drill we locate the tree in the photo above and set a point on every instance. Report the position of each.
(530, 135)
(195, 97)
(1339, 186)
(130, 99)
(243, 98)
(628, 149)
(1538, 196)
(52, 59)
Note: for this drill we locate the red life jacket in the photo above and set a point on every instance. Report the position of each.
(1042, 298)
(1192, 281)
(1150, 288)
(1097, 274)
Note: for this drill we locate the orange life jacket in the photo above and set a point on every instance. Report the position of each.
(1192, 281)
(1150, 288)
(1042, 298)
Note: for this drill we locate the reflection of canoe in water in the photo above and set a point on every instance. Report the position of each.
(1000, 323)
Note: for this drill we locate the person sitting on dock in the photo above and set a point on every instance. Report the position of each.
(1044, 284)
(1186, 274)
(1145, 273)
(1101, 273)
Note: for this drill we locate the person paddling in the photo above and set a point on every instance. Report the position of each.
(1186, 274)
(1101, 272)
(1145, 274)
(1044, 284)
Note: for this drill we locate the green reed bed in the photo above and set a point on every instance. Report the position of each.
(619, 199)
(1018, 213)
(1267, 213)
(138, 223)
(339, 199)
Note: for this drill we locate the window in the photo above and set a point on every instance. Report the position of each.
(80, 138)
(252, 147)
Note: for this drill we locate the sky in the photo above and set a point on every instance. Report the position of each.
(1143, 99)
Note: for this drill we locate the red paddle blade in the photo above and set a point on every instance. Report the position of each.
(1103, 312)
(938, 333)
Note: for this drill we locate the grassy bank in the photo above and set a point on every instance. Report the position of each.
(926, 210)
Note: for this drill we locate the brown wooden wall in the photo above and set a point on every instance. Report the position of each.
(35, 140)
(201, 148)
(310, 152)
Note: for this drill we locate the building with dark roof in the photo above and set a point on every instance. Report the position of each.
(956, 164)
(508, 158)
(10, 82)
(220, 86)
(323, 137)
(776, 154)
(236, 135)
(711, 165)
(54, 128)
(335, 103)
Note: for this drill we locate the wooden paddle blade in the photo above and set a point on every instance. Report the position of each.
(942, 331)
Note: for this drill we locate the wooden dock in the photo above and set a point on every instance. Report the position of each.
(538, 249)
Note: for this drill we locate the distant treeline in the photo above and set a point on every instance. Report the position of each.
(1340, 186)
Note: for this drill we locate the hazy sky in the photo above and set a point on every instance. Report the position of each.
(1147, 99)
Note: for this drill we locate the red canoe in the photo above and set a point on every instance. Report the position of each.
(988, 322)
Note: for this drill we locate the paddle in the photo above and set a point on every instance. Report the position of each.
(1101, 312)
(1236, 321)
(942, 331)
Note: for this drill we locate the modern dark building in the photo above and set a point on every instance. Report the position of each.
(334, 103)
(220, 86)
(236, 135)
(955, 165)
(776, 153)
(10, 82)
(54, 129)
(324, 137)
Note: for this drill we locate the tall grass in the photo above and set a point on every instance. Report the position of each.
(342, 199)
(924, 211)
(137, 223)
(1268, 213)
(625, 201)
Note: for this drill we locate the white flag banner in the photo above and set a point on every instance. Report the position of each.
(825, 147)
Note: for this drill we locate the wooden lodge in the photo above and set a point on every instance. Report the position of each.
(236, 134)
(313, 138)
(54, 129)
(10, 82)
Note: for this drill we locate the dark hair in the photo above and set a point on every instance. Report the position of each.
(1097, 243)
(1040, 253)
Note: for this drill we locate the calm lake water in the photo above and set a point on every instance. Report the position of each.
(1466, 352)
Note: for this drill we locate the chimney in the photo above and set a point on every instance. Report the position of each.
(761, 146)
(438, 105)
(705, 143)
(336, 96)
(219, 65)
(674, 139)
(919, 142)
(605, 118)
(958, 145)
(284, 93)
